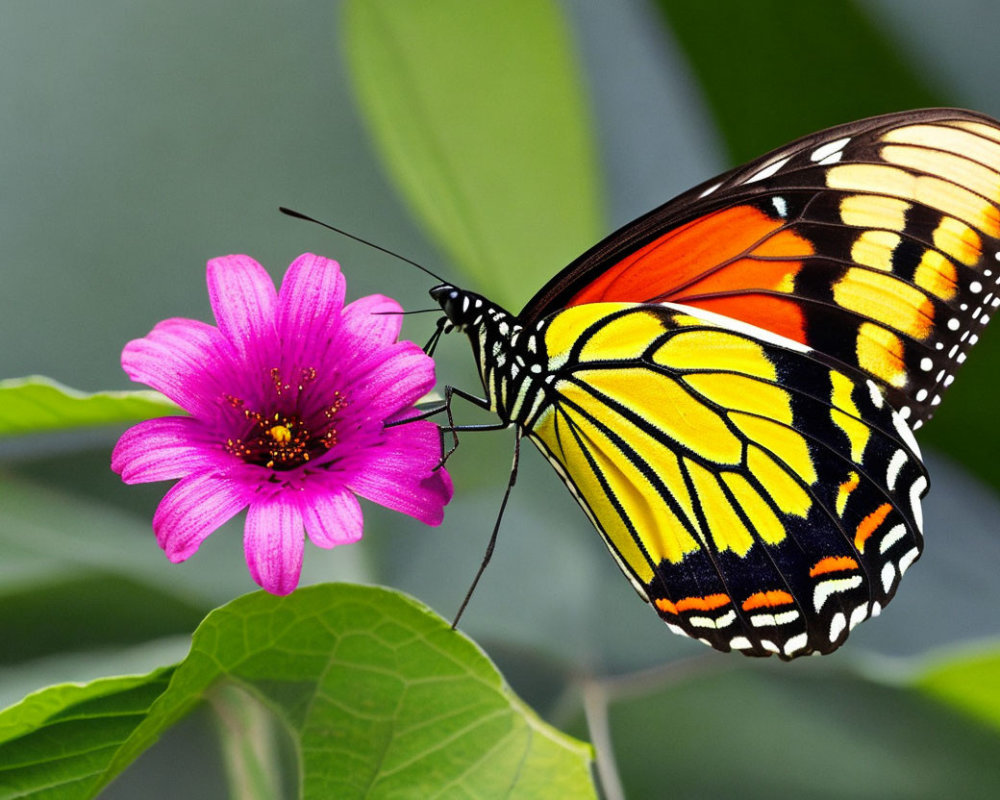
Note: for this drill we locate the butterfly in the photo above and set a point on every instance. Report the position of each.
(729, 384)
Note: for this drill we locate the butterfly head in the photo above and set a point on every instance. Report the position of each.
(463, 310)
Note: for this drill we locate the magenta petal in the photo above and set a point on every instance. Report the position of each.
(194, 508)
(187, 360)
(332, 516)
(373, 322)
(309, 307)
(273, 542)
(405, 374)
(164, 449)
(400, 476)
(243, 300)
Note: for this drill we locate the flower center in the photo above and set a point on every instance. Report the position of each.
(284, 440)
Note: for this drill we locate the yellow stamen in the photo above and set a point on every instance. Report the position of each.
(281, 434)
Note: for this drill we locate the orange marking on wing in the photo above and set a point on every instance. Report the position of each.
(785, 244)
(774, 314)
(832, 564)
(708, 255)
(870, 524)
(767, 600)
(707, 603)
(744, 275)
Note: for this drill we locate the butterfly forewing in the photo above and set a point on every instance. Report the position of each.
(759, 499)
(874, 242)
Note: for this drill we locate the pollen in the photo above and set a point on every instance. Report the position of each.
(284, 440)
(281, 434)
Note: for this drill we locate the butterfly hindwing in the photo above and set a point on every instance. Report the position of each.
(742, 484)
(874, 242)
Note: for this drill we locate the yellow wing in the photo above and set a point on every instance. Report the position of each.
(760, 498)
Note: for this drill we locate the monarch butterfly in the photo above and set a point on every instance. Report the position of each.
(729, 384)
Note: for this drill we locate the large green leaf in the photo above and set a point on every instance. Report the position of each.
(37, 404)
(382, 697)
(479, 115)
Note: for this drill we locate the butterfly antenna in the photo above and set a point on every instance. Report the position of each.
(496, 529)
(406, 313)
(299, 215)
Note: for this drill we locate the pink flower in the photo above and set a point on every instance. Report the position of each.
(287, 398)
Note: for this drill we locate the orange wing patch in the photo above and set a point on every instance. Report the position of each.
(707, 259)
(870, 524)
(832, 564)
(771, 599)
(707, 603)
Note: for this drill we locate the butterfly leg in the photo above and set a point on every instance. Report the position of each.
(449, 393)
(496, 529)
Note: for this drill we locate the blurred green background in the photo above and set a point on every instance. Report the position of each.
(140, 139)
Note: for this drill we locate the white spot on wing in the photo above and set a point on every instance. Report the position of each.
(825, 590)
(915, 493)
(876, 394)
(828, 149)
(896, 532)
(899, 423)
(767, 171)
(796, 643)
(899, 458)
(710, 189)
(767, 620)
(837, 625)
(859, 615)
(888, 577)
(909, 557)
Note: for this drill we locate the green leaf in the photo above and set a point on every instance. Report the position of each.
(37, 404)
(382, 697)
(57, 742)
(479, 116)
(968, 683)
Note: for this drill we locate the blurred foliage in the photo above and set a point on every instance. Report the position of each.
(460, 99)
(33, 405)
(142, 139)
(772, 71)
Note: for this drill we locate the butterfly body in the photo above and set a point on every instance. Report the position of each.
(728, 385)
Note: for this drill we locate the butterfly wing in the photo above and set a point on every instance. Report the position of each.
(758, 497)
(874, 242)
